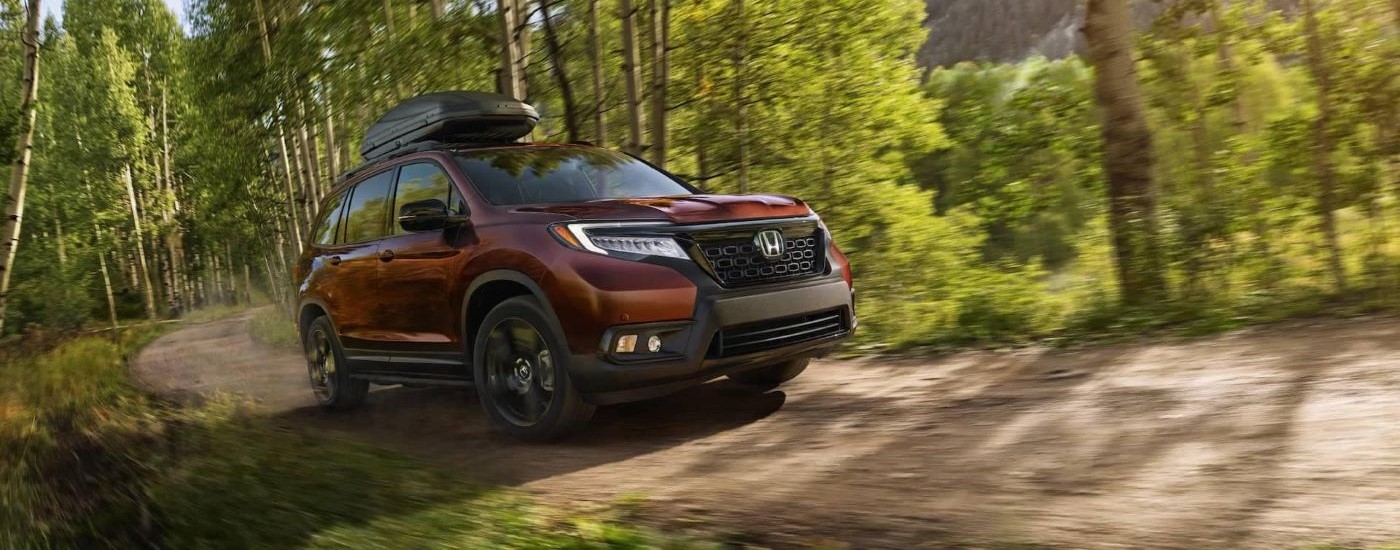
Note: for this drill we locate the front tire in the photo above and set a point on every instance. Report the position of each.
(522, 379)
(771, 376)
(329, 373)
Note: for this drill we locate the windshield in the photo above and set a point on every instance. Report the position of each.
(538, 175)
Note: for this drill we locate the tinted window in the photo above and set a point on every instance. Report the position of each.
(368, 204)
(422, 181)
(329, 225)
(562, 174)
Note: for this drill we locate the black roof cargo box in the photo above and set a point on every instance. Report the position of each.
(463, 117)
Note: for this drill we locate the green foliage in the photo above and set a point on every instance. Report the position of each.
(969, 198)
(11, 75)
(1232, 112)
(1026, 158)
(59, 301)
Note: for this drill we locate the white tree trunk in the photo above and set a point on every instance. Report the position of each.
(262, 32)
(107, 287)
(313, 164)
(1128, 153)
(600, 124)
(174, 241)
(58, 242)
(247, 284)
(232, 276)
(140, 244)
(1323, 146)
(514, 48)
(632, 73)
(216, 266)
(660, 74)
(303, 180)
(293, 213)
(332, 150)
(741, 129)
(388, 17)
(19, 171)
(106, 275)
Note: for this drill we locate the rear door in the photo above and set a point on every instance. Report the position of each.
(416, 273)
(356, 288)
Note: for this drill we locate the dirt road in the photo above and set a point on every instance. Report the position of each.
(1272, 437)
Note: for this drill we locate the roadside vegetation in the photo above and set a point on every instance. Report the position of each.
(88, 460)
(271, 327)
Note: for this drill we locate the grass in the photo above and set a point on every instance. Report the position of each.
(86, 460)
(271, 328)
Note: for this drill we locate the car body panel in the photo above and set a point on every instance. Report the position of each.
(406, 314)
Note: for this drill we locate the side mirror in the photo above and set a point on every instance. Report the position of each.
(427, 215)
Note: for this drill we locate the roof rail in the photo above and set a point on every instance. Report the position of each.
(416, 147)
(408, 149)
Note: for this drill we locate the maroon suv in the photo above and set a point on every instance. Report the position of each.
(555, 278)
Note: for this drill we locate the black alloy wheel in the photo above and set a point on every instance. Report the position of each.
(519, 372)
(520, 364)
(328, 371)
(321, 366)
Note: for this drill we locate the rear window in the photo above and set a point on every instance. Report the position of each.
(328, 226)
(540, 175)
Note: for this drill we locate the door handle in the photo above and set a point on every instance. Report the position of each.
(386, 255)
(334, 260)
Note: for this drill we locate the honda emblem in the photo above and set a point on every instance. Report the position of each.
(770, 243)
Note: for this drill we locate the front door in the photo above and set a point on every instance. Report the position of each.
(416, 272)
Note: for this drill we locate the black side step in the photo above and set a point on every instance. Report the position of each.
(413, 380)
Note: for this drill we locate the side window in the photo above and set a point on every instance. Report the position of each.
(328, 227)
(422, 181)
(364, 220)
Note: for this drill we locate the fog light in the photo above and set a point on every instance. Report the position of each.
(654, 344)
(626, 343)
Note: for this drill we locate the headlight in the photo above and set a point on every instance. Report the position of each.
(650, 246)
(605, 238)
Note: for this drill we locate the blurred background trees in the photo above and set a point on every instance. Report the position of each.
(966, 174)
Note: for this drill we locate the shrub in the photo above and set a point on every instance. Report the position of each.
(271, 328)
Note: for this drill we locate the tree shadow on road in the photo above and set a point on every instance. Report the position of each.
(1177, 445)
(448, 426)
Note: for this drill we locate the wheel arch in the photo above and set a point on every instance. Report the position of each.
(309, 311)
(490, 289)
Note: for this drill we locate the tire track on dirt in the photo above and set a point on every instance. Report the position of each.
(1259, 438)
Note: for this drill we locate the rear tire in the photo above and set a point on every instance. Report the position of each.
(520, 364)
(771, 376)
(329, 371)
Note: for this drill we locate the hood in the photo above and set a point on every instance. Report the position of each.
(681, 209)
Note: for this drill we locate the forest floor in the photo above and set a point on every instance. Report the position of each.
(1275, 436)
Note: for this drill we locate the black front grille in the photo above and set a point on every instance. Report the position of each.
(736, 261)
(766, 335)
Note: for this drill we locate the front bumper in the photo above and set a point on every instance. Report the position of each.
(694, 354)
